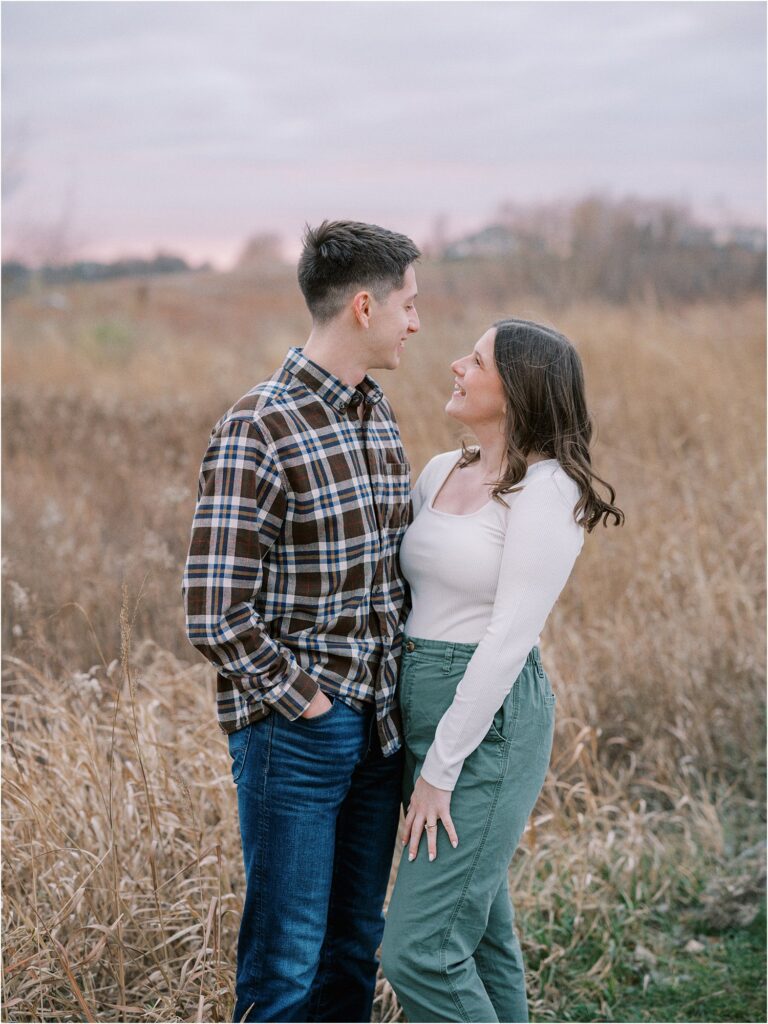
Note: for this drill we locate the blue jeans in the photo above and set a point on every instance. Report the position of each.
(319, 808)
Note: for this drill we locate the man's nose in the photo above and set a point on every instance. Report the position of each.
(414, 324)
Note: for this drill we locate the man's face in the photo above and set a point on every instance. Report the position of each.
(392, 321)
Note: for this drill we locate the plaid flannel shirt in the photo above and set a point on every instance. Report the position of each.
(292, 580)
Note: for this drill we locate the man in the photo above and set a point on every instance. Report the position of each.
(293, 590)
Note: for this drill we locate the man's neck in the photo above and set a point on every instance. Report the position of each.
(337, 356)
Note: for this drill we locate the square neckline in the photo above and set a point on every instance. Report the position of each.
(468, 515)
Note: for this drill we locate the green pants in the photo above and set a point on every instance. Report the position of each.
(450, 951)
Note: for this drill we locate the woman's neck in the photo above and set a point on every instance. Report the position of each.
(493, 452)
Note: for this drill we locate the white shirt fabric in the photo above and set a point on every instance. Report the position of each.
(491, 578)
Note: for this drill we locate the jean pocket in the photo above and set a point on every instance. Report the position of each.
(239, 742)
(496, 731)
(317, 721)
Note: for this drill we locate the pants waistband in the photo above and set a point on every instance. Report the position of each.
(442, 649)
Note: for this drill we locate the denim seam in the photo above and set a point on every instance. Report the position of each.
(407, 693)
(263, 832)
(319, 1002)
(460, 902)
(504, 759)
(245, 754)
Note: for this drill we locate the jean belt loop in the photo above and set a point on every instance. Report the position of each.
(447, 659)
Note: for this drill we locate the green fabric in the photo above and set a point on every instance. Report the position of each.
(449, 950)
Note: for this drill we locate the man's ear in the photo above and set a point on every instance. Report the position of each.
(361, 307)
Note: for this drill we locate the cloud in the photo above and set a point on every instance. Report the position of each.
(252, 114)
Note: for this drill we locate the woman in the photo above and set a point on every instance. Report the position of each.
(496, 532)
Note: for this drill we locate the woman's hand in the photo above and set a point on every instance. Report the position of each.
(428, 806)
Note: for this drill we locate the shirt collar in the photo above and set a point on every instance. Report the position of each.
(328, 387)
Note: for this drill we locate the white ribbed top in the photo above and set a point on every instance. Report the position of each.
(491, 578)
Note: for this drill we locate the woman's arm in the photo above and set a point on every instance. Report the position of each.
(541, 545)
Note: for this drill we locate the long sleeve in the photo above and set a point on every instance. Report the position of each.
(239, 514)
(541, 544)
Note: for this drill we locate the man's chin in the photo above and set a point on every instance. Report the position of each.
(390, 361)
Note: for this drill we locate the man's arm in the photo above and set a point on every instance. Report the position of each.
(239, 514)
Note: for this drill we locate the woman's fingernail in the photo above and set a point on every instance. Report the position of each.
(454, 843)
(410, 856)
(431, 856)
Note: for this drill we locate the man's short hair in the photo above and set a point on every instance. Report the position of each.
(343, 256)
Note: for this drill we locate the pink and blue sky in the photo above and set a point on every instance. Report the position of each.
(132, 127)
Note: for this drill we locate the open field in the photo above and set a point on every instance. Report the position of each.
(639, 887)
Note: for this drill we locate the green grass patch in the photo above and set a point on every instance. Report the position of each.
(726, 981)
(699, 954)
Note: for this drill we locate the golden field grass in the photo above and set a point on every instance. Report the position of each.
(122, 874)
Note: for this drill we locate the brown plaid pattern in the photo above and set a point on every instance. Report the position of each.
(292, 579)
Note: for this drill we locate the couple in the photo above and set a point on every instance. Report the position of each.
(304, 563)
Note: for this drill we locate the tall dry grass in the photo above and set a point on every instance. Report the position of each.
(122, 869)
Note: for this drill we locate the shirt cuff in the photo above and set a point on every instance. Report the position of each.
(292, 698)
(439, 775)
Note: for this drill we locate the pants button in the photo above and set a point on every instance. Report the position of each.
(410, 646)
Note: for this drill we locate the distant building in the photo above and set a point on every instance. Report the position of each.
(495, 240)
(745, 238)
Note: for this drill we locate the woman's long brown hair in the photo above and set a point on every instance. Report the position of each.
(546, 412)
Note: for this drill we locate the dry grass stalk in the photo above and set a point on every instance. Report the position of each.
(123, 876)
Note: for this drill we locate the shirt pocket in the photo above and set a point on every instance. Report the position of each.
(393, 493)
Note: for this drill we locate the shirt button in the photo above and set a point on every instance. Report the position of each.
(410, 646)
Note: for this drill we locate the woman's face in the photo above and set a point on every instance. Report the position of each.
(478, 395)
